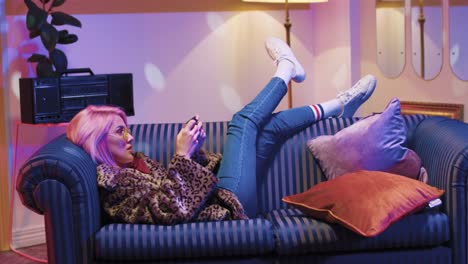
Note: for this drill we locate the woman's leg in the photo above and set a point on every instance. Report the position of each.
(284, 124)
(237, 172)
(238, 166)
(278, 129)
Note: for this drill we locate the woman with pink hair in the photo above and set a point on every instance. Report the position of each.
(136, 189)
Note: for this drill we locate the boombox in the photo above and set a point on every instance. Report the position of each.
(58, 99)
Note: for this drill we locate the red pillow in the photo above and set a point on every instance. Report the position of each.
(366, 202)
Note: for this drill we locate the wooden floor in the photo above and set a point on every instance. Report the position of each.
(10, 257)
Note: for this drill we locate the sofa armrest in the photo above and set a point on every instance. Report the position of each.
(59, 181)
(442, 144)
(54, 200)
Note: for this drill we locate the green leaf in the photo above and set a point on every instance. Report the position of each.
(34, 34)
(30, 4)
(63, 33)
(58, 3)
(37, 58)
(60, 18)
(44, 69)
(35, 18)
(59, 59)
(65, 38)
(49, 36)
(69, 39)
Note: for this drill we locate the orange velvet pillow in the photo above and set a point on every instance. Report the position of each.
(366, 202)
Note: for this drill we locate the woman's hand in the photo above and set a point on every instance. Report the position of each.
(190, 138)
(201, 139)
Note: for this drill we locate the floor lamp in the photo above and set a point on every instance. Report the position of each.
(287, 26)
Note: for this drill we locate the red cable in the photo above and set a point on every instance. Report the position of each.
(12, 195)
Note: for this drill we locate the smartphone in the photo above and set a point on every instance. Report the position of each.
(192, 118)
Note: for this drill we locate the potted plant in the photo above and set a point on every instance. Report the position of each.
(39, 24)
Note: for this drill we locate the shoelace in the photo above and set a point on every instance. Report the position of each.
(347, 95)
(276, 54)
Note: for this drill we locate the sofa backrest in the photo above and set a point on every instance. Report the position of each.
(294, 169)
(157, 141)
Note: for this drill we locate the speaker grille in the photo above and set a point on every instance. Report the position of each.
(47, 100)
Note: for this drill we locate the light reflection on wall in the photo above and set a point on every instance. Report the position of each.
(18, 49)
(390, 36)
(341, 77)
(455, 53)
(458, 24)
(153, 74)
(231, 99)
(154, 77)
(215, 23)
(14, 83)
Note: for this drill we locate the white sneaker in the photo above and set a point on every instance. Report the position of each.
(355, 96)
(278, 50)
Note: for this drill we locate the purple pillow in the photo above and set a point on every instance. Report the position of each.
(374, 143)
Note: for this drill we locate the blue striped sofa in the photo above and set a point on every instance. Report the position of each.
(59, 182)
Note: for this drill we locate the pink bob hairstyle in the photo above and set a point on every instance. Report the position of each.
(89, 129)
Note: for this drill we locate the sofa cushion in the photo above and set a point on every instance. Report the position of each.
(297, 233)
(118, 242)
(366, 202)
(373, 143)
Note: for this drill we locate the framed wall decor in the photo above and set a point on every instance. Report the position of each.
(454, 111)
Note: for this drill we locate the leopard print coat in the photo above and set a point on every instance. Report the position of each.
(184, 192)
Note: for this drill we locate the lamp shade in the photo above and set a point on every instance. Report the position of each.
(283, 1)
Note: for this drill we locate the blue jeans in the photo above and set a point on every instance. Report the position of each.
(252, 136)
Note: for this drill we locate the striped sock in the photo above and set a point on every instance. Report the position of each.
(318, 111)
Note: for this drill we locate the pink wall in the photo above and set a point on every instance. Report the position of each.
(331, 48)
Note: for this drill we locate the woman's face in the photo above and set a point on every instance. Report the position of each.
(120, 142)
